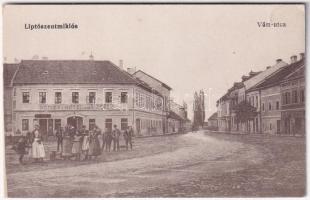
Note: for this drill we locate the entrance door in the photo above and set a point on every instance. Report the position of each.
(138, 128)
(75, 121)
(43, 128)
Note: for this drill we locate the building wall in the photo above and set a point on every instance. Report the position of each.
(141, 104)
(270, 109)
(7, 107)
(293, 112)
(253, 97)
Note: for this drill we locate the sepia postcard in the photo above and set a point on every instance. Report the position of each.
(154, 100)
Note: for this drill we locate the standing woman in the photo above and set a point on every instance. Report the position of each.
(85, 144)
(38, 152)
(76, 147)
(66, 144)
(94, 144)
(104, 138)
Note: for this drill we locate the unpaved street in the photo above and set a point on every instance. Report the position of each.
(191, 165)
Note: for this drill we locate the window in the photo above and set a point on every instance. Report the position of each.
(124, 123)
(277, 105)
(124, 97)
(270, 126)
(14, 92)
(75, 97)
(294, 96)
(26, 97)
(92, 97)
(269, 106)
(108, 124)
(57, 97)
(57, 123)
(108, 97)
(302, 95)
(92, 124)
(42, 97)
(288, 97)
(256, 101)
(263, 106)
(25, 124)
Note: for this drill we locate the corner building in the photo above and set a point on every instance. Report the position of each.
(54, 93)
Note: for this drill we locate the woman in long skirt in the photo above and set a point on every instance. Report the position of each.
(94, 145)
(76, 148)
(38, 152)
(85, 145)
(66, 145)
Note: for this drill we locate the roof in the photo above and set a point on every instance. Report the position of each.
(173, 115)
(213, 116)
(279, 75)
(163, 84)
(70, 72)
(8, 73)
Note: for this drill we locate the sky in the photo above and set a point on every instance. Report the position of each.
(188, 47)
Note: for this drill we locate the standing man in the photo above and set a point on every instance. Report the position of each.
(109, 139)
(115, 134)
(128, 137)
(59, 136)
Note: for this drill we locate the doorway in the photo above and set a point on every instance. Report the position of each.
(75, 121)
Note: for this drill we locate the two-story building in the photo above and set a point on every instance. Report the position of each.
(269, 90)
(53, 93)
(292, 89)
(162, 88)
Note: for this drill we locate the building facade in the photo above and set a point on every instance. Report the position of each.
(56, 93)
(159, 86)
(292, 91)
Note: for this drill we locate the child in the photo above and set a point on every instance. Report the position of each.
(21, 149)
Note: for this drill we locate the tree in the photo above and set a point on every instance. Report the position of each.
(199, 109)
(245, 111)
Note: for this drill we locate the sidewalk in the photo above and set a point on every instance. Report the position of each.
(254, 134)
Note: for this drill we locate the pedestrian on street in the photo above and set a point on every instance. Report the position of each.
(76, 147)
(116, 134)
(104, 138)
(59, 136)
(94, 144)
(21, 148)
(128, 137)
(85, 144)
(66, 144)
(109, 139)
(38, 152)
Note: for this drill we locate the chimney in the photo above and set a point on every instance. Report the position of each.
(302, 56)
(293, 59)
(278, 60)
(268, 67)
(131, 70)
(121, 63)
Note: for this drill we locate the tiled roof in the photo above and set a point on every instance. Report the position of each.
(173, 115)
(278, 76)
(213, 116)
(8, 73)
(163, 84)
(70, 72)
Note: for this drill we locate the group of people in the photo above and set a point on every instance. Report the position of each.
(72, 143)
